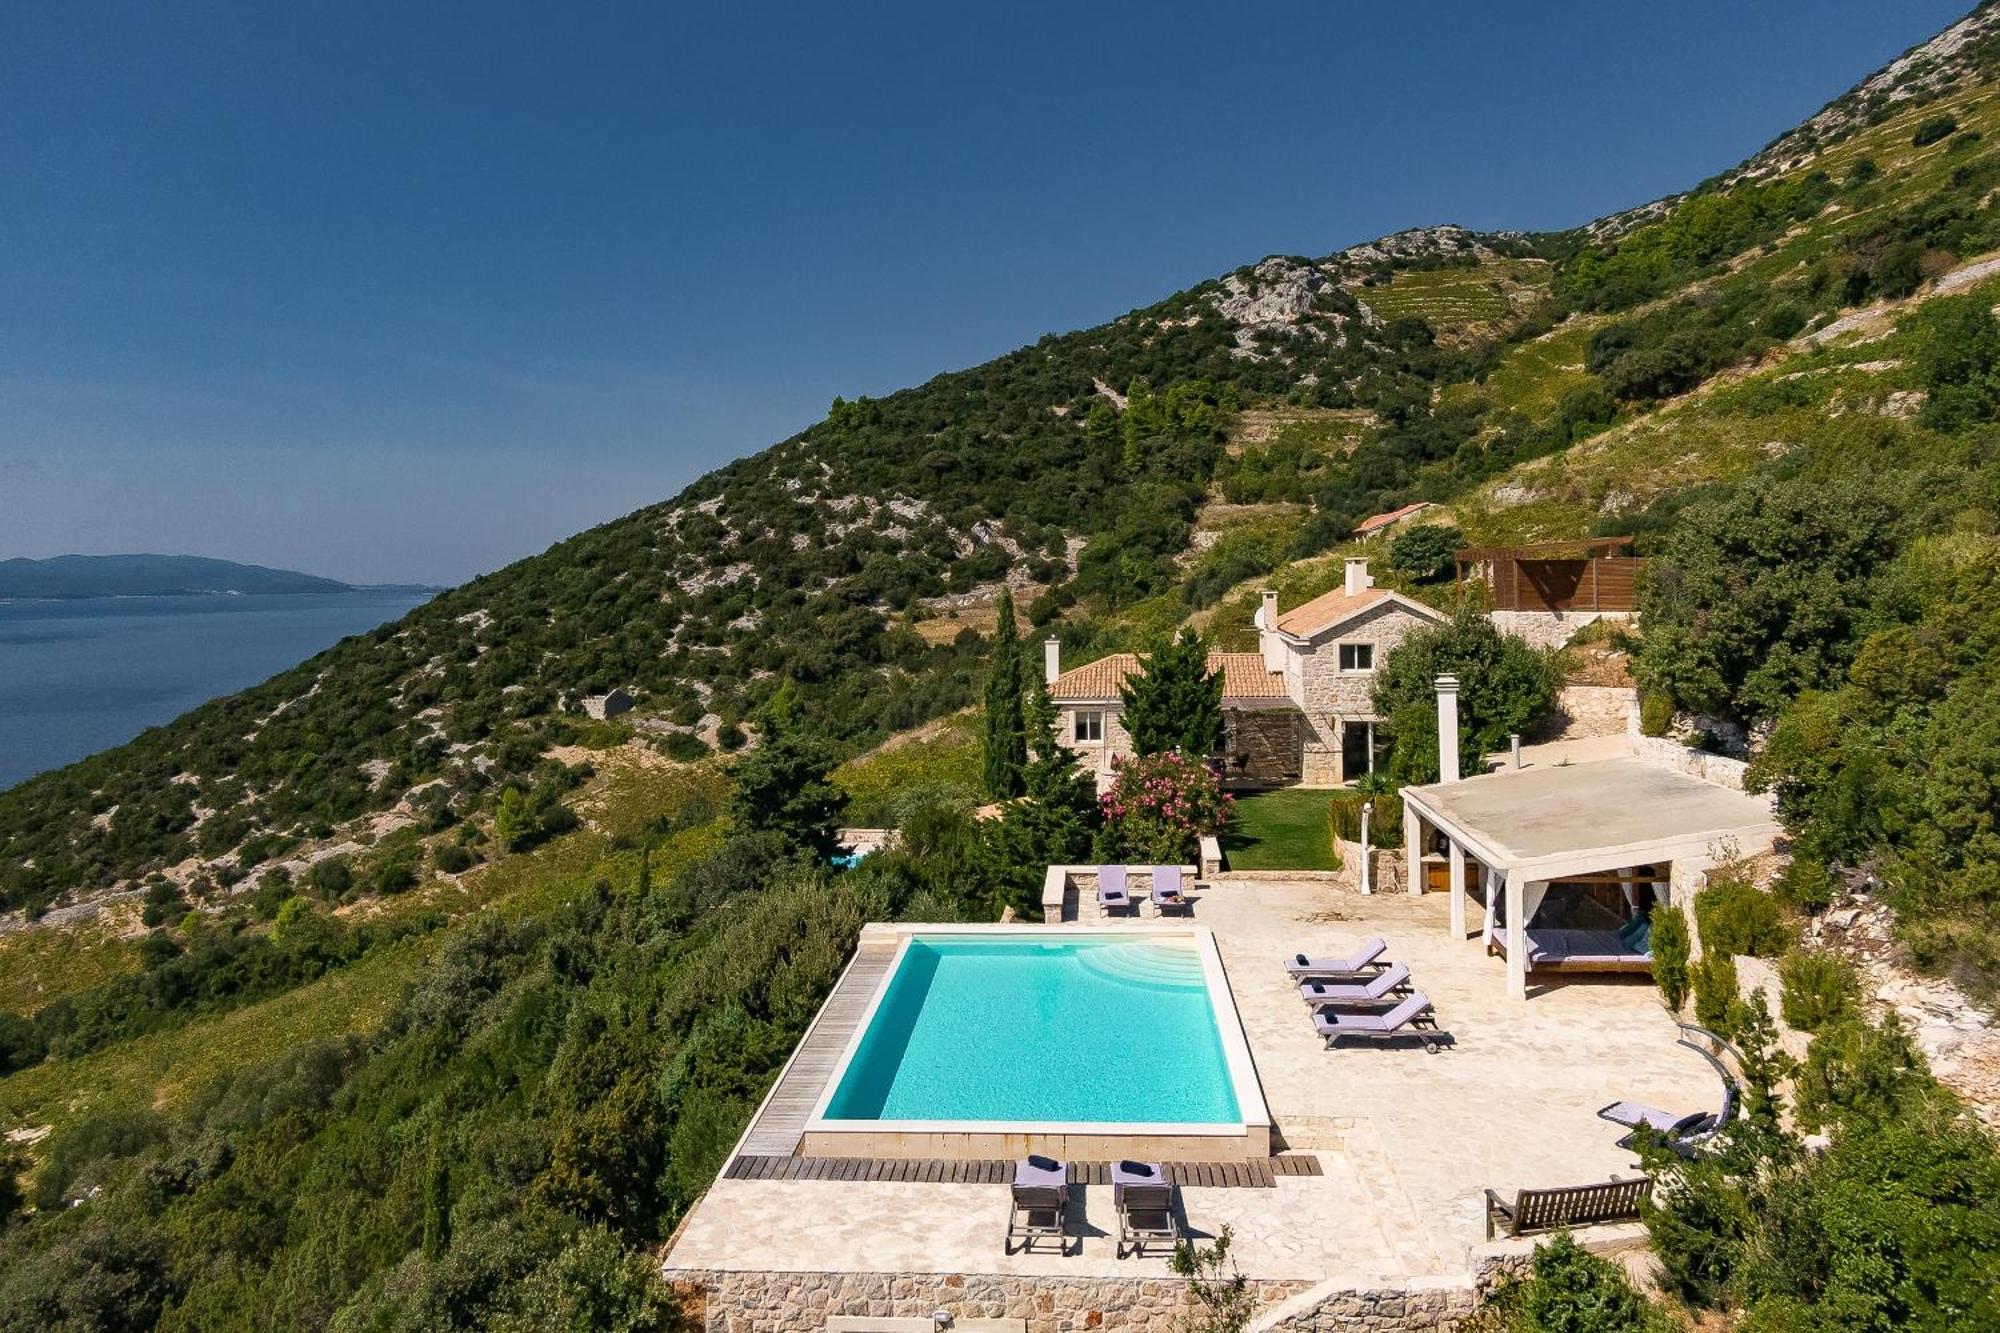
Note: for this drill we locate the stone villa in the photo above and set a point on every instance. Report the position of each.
(1299, 710)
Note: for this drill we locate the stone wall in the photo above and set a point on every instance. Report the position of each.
(1261, 746)
(1595, 710)
(1719, 769)
(1387, 866)
(1550, 629)
(1095, 756)
(733, 1302)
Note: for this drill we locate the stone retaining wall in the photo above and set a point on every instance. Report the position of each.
(1550, 629)
(733, 1302)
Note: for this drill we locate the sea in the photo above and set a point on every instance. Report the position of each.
(79, 676)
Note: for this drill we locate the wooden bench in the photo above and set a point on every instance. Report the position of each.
(1566, 1206)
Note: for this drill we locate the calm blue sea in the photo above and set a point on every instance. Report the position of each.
(76, 677)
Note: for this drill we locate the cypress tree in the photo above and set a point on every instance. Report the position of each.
(1006, 730)
(1176, 703)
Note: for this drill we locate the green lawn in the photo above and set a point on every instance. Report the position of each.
(1280, 830)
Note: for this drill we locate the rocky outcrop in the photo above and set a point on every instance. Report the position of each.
(1957, 1035)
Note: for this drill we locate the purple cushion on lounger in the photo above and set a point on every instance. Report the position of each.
(1111, 877)
(1167, 878)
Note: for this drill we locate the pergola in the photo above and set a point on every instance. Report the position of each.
(1595, 822)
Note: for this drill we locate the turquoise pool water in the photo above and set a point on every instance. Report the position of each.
(1094, 1030)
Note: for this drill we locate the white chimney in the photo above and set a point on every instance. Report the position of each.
(1447, 688)
(1357, 575)
(1051, 660)
(1267, 633)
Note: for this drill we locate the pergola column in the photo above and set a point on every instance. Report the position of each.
(1457, 854)
(1517, 935)
(1413, 849)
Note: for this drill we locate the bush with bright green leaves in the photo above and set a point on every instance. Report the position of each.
(1504, 686)
(1385, 822)
(1734, 916)
(1570, 1290)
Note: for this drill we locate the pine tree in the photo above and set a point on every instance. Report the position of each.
(1006, 739)
(1176, 703)
(782, 786)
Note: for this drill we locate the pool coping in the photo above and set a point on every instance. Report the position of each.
(1247, 1136)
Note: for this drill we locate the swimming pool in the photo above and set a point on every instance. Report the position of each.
(978, 1034)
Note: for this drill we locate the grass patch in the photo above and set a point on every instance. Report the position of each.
(1453, 298)
(947, 755)
(1532, 377)
(1280, 830)
(41, 964)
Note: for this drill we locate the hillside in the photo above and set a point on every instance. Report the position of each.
(66, 576)
(398, 992)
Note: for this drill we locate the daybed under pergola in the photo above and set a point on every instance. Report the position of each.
(1626, 822)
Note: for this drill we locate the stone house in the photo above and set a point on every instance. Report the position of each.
(1299, 710)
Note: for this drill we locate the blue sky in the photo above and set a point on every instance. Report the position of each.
(408, 291)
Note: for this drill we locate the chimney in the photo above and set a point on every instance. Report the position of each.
(1357, 575)
(1267, 633)
(1447, 688)
(1051, 660)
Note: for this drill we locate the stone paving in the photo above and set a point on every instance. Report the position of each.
(1407, 1140)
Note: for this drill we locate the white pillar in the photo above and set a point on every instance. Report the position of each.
(1413, 847)
(1457, 890)
(1447, 692)
(1517, 935)
(1371, 747)
(1051, 660)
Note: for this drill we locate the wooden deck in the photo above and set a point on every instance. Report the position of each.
(1261, 1173)
(781, 1121)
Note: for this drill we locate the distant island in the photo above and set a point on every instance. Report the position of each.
(65, 577)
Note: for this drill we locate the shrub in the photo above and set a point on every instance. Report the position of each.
(1569, 1288)
(1932, 129)
(1817, 988)
(1715, 991)
(1656, 712)
(1857, 1072)
(1807, 883)
(1160, 805)
(1670, 955)
(1385, 824)
(1425, 553)
(1503, 686)
(1736, 917)
(451, 859)
(331, 877)
(684, 746)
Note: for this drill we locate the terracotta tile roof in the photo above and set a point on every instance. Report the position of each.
(1243, 677)
(1329, 608)
(1377, 521)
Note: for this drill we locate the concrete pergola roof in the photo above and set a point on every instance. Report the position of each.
(1561, 820)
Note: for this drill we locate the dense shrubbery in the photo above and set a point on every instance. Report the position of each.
(1735, 917)
(1385, 822)
(1504, 686)
(1817, 988)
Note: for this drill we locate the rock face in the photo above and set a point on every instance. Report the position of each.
(1957, 1035)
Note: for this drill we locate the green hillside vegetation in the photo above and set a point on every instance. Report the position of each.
(463, 1071)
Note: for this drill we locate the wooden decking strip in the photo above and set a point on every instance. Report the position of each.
(1261, 1173)
(782, 1123)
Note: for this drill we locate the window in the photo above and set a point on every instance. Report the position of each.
(1357, 657)
(1090, 726)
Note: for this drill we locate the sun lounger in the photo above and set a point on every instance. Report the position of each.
(1684, 1134)
(1167, 895)
(1362, 962)
(1144, 1198)
(1111, 894)
(1040, 1205)
(1397, 978)
(1414, 1012)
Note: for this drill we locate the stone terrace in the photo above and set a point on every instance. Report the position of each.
(1407, 1140)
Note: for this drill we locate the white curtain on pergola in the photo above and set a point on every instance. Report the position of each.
(1532, 894)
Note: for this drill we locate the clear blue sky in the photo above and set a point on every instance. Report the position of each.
(407, 291)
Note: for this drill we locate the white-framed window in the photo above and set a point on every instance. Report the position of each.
(1089, 725)
(1357, 656)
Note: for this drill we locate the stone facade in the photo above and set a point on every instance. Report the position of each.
(1329, 696)
(1551, 629)
(746, 1302)
(1595, 710)
(1096, 756)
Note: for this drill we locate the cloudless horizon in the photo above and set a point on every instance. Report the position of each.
(395, 293)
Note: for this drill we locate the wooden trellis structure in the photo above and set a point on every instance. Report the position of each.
(1586, 575)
